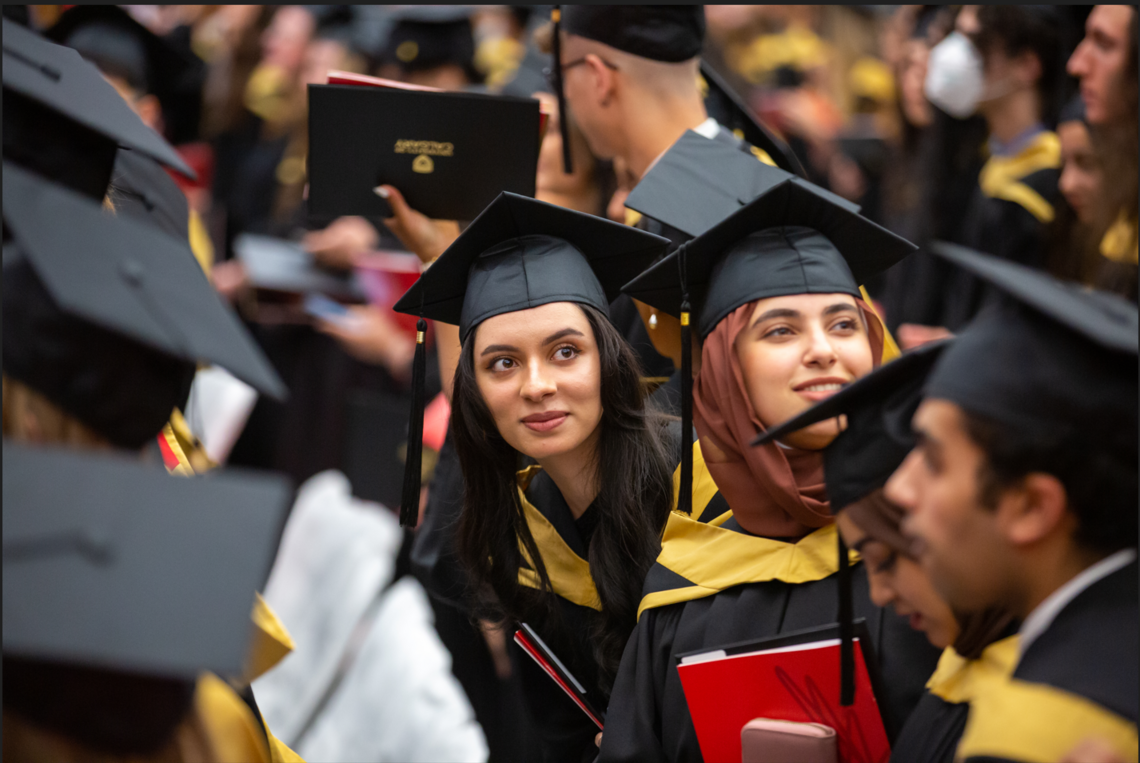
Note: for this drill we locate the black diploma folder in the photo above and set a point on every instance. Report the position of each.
(449, 154)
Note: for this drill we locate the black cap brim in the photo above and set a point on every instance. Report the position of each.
(111, 563)
(128, 277)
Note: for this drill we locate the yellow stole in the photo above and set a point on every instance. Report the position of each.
(1002, 175)
(713, 558)
(569, 573)
(958, 680)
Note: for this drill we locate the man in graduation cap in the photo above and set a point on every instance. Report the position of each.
(1021, 492)
(125, 598)
(105, 321)
(749, 551)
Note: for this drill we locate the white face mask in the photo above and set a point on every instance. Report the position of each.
(954, 78)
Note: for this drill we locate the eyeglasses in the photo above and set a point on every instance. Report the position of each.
(548, 72)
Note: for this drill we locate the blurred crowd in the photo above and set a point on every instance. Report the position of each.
(1008, 129)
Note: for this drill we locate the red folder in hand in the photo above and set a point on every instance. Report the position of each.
(793, 677)
(526, 638)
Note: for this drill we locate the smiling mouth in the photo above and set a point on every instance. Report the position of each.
(822, 388)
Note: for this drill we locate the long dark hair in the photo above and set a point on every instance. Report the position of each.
(634, 475)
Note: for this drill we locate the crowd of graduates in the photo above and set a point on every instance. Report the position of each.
(819, 316)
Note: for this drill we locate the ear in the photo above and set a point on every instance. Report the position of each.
(1034, 511)
(602, 77)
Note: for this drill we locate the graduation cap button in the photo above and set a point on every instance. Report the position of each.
(132, 271)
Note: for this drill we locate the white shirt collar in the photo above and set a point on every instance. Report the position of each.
(708, 129)
(1046, 612)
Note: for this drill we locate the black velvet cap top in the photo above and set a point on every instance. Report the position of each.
(793, 239)
(63, 120)
(520, 253)
(699, 182)
(430, 36)
(1051, 359)
(878, 436)
(670, 33)
(112, 563)
(103, 314)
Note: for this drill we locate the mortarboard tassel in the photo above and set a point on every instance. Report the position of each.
(685, 496)
(556, 67)
(410, 499)
(846, 629)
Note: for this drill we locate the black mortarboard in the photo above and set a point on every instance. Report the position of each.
(63, 120)
(699, 182)
(862, 458)
(670, 33)
(109, 564)
(730, 111)
(424, 37)
(521, 253)
(517, 254)
(878, 436)
(142, 189)
(1051, 360)
(101, 312)
(794, 239)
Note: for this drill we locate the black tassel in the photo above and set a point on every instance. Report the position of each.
(685, 497)
(846, 630)
(410, 500)
(556, 67)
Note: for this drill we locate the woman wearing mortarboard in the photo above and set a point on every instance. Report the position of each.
(750, 551)
(544, 379)
(979, 648)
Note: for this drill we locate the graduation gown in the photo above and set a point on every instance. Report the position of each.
(932, 732)
(714, 584)
(1006, 217)
(565, 732)
(1077, 679)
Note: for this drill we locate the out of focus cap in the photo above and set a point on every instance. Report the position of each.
(63, 120)
(878, 435)
(793, 239)
(731, 112)
(1051, 359)
(120, 275)
(110, 563)
(520, 253)
(699, 182)
(424, 37)
(670, 33)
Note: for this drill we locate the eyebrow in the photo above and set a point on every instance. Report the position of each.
(924, 440)
(549, 340)
(784, 312)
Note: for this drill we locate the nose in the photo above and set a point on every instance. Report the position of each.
(820, 353)
(900, 487)
(1076, 65)
(882, 593)
(537, 384)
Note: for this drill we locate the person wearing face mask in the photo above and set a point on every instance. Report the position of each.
(749, 551)
(1007, 70)
(544, 378)
(978, 647)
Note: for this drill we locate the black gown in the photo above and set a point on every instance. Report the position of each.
(1077, 679)
(933, 730)
(648, 718)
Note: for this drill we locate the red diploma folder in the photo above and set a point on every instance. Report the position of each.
(793, 677)
(526, 638)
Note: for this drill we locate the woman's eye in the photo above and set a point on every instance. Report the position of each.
(847, 324)
(566, 353)
(502, 364)
(887, 564)
(778, 331)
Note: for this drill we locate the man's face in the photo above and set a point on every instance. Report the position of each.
(585, 100)
(959, 541)
(1099, 61)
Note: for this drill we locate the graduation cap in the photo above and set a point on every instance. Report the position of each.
(517, 254)
(106, 315)
(63, 120)
(729, 109)
(863, 456)
(793, 239)
(424, 37)
(669, 33)
(699, 182)
(112, 569)
(1051, 359)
